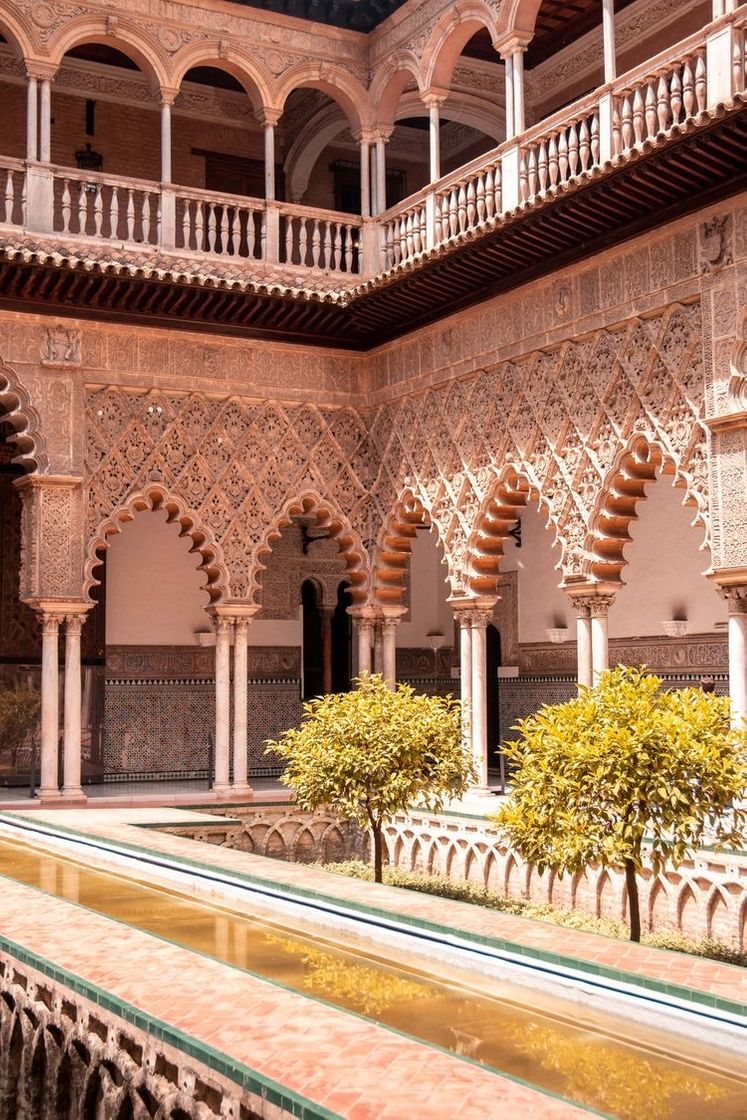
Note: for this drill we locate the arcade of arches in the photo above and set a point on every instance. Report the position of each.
(203, 525)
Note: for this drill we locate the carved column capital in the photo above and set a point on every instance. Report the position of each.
(50, 623)
(600, 605)
(735, 598)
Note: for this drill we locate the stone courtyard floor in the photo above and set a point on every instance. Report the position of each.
(351, 1067)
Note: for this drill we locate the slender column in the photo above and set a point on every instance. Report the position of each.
(240, 706)
(508, 62)
(583, 642)
(374, 181)
(518, 84)
(32, 111)
(365, 145)
(165, 141)
(434, 115)
(480, 620)
(378, 647)
(71, 787)
(222, 702)
(389, 629)
(736, 599)
(326, 650)
(465, 675)
(269, 159)
(599, 607)
(50, 708)
(381, 141)
(45, 121)
(608, 31)
(364, 627)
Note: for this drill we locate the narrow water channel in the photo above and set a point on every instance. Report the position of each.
(595, 1068)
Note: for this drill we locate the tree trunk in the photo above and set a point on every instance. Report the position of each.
(378, 846)
(634, 909)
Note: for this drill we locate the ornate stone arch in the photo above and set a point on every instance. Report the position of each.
(154, 497)
(521, 15)
(246, 69)
(394, 547)
(327, 516)
(389, 84)
(336, 82)
(308, 145)
(127, 36)
(498, 513)
(18, 29)
(449, 37)
(25, 421)
(639, 462)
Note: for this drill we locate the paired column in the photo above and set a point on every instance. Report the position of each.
(327, 614)
(433, 101)
(389, 624)
(512, 54)
(32, 115)
(465, 674)
(378, 647)
(381, 138)
(583, 642)
(45, 120)
(221, 783)
(49, 779)
(474, 617)
(592, 604)
(228, 623)
(608, 32)
(364, 140)
(364, 626)
(71, 618)
(269, 119)
(167, 100)
(72, 789)
(600, 657)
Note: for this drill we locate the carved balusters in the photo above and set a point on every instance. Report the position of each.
(66, 204)
(573, 150)
(114, 213)
(542, 167)
(595, 147)
(584, 146)
(650, 110)
(480, 205)
(552, 161)
(497, 186)
(348, 248)
(82, 208)
(289, 239)
(453, 214)
(490, 192)
(316, 242)
(675, 95)
(563, 163)
(212, 223)
(617, 140)
(639, 120)
(688, 87)
(223, 229)
(462, 208)
(146, 218)
(700, 81)
(532, 180)
(98, 211)
(438, 221)
(303, 241)
(187, 224)
(523, 178)
(131, 216)
(662, 104)
(471, 206)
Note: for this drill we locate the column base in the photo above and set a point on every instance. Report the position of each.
(74, 793)
(480, 791)
(242, 789)
(48, 795)
(222, 789)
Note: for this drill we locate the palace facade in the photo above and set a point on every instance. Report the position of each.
(407, 336)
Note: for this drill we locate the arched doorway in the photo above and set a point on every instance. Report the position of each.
(313, 652)
(341, 641)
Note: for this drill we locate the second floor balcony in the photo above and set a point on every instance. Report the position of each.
(91, 218)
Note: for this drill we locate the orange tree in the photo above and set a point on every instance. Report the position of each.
(621, 769)
(374, 752)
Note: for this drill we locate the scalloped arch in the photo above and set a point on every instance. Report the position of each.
(327, 516)
(128, 37)
(155, 497)
(25, 421)
(637, 464)
(394, 546)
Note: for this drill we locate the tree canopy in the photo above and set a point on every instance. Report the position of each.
(622, 767)
(374, 752)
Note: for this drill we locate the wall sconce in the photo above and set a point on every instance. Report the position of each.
(88, 160)
(435, 640)
(205, 638)
(557, 634)
(674, 627)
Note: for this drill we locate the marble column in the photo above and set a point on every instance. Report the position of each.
(736, 600)
(508, 64)
(32, 113)
(222, 704)
(378, 646)
(365, 146)
(71, 786)
(434, 117)
(240, 707)
(465, 674)
(608, 31)
(480, 620)
(49, 782)
(269, 159)
(364, 627)
(583, 643)
(165, 141)
(327, 614)
(381, 141)
(599, 606)
(518, 84)
(45, 121)
(389, 668)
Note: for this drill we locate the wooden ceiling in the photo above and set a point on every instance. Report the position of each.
(692, 172)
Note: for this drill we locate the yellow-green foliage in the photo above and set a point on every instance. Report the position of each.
(372, 752)
(19, 711)
(621, 763)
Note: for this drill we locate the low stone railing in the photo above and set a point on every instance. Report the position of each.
(219, 224)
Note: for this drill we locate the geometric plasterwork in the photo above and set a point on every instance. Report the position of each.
(579, 428)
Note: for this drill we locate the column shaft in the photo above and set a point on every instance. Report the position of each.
(389, 628)
(240, 706)
(608, 31)
(165, 142)
(32, 114)
(435, 141)
(479, 701)
(583, 642)
(518, 83)
(72, 718)
(508, 64)
(365, 178)
(222, 704)
(326, 651)
(738, 667)
(378, 645)
(465, 676)
(599, 641)
(45, 120)
(380, 174)
(364, 645)
(270, 161)
(50, 708)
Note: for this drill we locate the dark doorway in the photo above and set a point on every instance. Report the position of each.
(313, 670)
(341, 642)
(493, 663)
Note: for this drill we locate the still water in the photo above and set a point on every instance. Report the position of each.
(594, 1065)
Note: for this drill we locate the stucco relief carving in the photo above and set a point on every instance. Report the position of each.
(51, 559)
(23, 417)
(716, 243)
(61, 347)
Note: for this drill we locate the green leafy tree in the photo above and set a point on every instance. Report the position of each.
(374, 752)
(621, 764)
(19, 712)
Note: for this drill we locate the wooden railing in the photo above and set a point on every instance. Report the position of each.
(617, 121)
